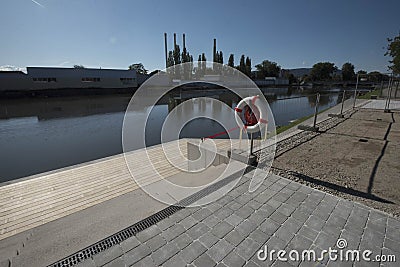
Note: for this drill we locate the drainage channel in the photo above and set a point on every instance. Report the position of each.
(132, 230)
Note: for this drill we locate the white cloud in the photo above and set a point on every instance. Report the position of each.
(37, 3)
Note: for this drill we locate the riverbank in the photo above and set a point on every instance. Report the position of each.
(195, 86)
(65, 92)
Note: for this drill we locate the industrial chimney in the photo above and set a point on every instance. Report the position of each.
(174, 41)
(215, 50)
(166, 50)
(184, 45)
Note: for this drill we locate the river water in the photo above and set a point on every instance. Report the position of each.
(42, 134)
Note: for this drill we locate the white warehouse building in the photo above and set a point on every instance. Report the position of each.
(40, 78)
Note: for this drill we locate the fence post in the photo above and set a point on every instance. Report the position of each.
(387, 104)
(316, 111)
(381, 91)
(251, 144)
(343, 98)
(355, 92)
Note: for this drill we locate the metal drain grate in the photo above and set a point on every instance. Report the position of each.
(116, 238)
(132, 230)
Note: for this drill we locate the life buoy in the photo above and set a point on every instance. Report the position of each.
(256, 119)
(250, 115)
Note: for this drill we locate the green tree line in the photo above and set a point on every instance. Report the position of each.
(321, 71)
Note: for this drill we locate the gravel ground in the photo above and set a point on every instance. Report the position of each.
(355, 158)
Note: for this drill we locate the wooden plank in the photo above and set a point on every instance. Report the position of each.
(65, 178)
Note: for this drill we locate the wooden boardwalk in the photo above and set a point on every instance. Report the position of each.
(32, 202)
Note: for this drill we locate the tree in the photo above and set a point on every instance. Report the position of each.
(79, 67)
(177, 55)
(177, 61)
(231, 61)
(267, 69)
(203, 63)
(185, 56)
(348, 72)
(322, 71)
(305, 79)
(138, 67)
(187, 68)
(292, 79)
(361, 72)
(242, 64)
(375, 76)
(220, 58)
(248, 67)
(393, 50)
(198, 69)
(170, 59)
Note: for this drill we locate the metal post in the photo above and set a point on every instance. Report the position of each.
(381, 92)
(387, 103)
(390, 92)
(240, 138)
(343, 98)
(251, 144)
(355, 92)
(252, 159)
(316, 110)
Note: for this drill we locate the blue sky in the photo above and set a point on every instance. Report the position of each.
(114, 34)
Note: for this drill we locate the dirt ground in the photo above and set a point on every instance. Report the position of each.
(358, 159)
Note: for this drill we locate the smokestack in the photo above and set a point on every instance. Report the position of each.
(215, 49)
(184, 43)
(166, 50)
(174, 41)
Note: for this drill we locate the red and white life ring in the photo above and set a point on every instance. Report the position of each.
(252, 101)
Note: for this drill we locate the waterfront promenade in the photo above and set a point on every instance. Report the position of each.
(282, 213)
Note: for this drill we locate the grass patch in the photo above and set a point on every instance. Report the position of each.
(369, 94)
(283, 128)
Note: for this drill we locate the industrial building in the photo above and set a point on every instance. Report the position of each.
(40, 78)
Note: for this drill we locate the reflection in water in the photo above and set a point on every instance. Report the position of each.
(38, 135)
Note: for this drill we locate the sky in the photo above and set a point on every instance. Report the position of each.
(115, 34)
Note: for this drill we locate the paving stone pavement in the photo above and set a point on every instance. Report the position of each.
(281, 214)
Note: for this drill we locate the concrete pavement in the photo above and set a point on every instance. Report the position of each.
(281, 214)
